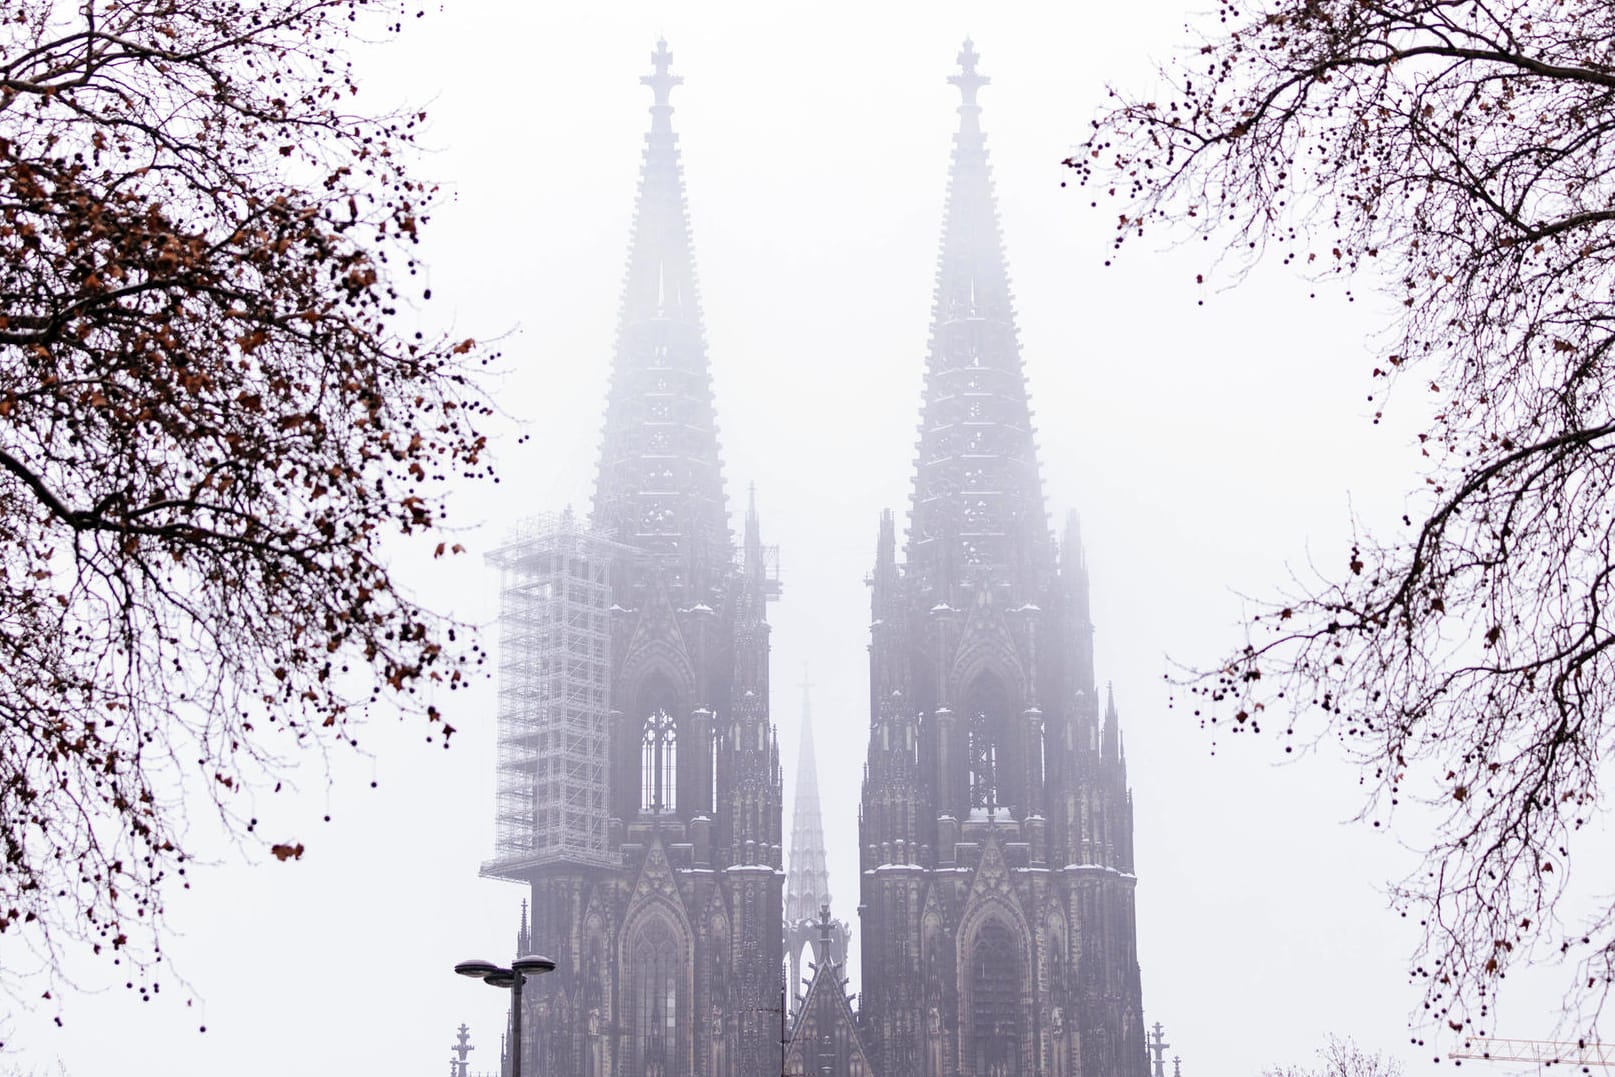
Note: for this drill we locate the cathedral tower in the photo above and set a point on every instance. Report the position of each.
(997, 924)
(639, 769)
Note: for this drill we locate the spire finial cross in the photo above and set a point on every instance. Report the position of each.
(1156, 1042)
(662, 80)
(462, 1047)
(969, 80)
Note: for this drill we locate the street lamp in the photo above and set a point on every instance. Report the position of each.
(493, 975)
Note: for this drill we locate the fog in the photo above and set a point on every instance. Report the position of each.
(1215, 441)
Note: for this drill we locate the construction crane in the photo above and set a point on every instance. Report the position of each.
(1541, 1052)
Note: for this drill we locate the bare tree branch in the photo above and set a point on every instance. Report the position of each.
(1466, 154)
(210, 424)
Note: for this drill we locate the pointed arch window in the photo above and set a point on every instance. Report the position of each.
(656, 1002)
(1057, 962)
(994, 754)
(995, 1003)
(983, 764)
(987, 704)
(658, 783)
(715, 746)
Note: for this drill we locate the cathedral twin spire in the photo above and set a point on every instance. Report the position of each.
(978, 517)
(981, 679)
(996, 884)
(977, 510)
(977, 504)
(660, 483)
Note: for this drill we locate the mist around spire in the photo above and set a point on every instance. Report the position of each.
(991, 781)
(807, 886)
(636, 672)
(660, 482)
(1111, 745)
(1074, 573)
(977, 510)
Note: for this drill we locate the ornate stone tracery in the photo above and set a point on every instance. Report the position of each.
(996, 883)
(1015, 801)
(666, 940)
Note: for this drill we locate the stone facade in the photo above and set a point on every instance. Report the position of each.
(668, 957)
(996, 913)
(996, 906)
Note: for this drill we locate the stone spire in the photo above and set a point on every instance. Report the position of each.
(660, 483)
(1080, 689)
(750, 760)
(1111, 744)
(893, 789)
(992, 774)
(807, 887)
(977, 509)
(458, 1064)
(814, 940)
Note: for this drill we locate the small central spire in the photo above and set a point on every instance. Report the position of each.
(808, 884)
(663, 80)
(969, 80)
(827, 929)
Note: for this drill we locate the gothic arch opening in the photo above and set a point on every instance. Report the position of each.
(658, 746)
(1057, 971)
(804, 963)
(594, 1007)
(934, 958)
(993, 744)
(718, 961)
(995, 1014)
(657, 1001)
(936, 970)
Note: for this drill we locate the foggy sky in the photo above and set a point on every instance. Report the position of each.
(1211, 451)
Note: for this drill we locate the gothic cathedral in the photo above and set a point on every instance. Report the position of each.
(996, 844)
(639, 786)
(639, 772)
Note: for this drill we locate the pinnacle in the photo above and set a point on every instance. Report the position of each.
(968, 79)
(662, 80)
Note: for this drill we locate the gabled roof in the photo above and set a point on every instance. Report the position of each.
(826, 1029)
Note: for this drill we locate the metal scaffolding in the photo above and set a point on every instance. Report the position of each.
(554, 678)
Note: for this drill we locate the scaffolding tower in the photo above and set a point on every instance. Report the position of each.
(554, 679)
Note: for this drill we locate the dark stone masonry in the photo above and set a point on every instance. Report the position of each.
(639, 786)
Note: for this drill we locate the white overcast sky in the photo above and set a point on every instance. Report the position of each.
(1209, 449)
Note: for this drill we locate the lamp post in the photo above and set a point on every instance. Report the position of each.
(495, 976)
